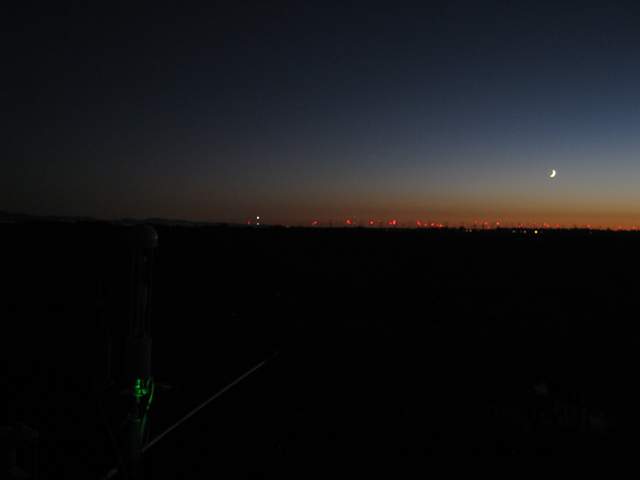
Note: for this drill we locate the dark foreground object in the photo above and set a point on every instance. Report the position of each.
(391, 344)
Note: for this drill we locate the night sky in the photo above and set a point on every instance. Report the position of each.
(455, 112)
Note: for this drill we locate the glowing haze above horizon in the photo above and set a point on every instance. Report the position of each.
(453, 113)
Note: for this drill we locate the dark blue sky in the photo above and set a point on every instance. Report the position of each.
(453, 112)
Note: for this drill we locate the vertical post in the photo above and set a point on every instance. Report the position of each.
(138, 375)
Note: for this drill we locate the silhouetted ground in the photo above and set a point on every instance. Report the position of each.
(391, 344)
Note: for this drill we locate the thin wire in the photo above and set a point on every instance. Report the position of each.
(114, 471)
(204, 404)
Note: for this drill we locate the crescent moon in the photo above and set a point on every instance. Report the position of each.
(553, 174)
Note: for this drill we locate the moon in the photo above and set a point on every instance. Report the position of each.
(553, 174)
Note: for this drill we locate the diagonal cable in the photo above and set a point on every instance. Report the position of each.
(205, 403)
(114, 471)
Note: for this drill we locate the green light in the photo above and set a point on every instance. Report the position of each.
(151, 394)
(139, 389)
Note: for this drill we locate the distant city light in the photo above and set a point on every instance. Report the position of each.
(520, 228)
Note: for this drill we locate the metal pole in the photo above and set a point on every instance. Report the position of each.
(139, 378)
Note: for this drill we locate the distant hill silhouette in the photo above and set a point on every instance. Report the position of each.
(10, 217)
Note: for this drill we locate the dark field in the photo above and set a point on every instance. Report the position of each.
(390, 344)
